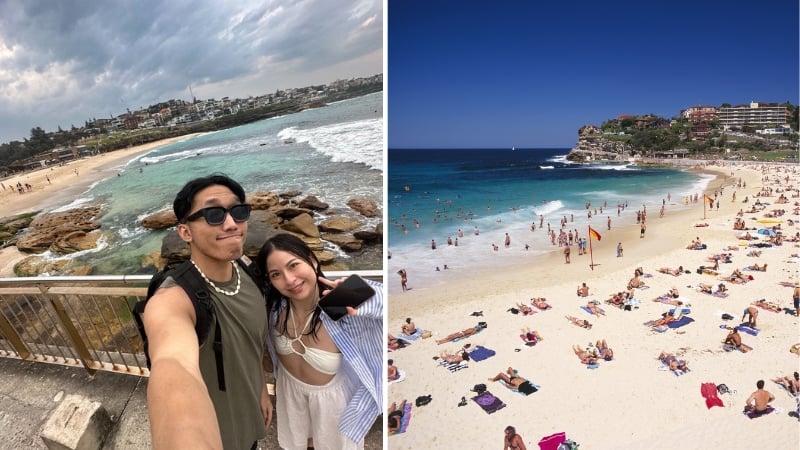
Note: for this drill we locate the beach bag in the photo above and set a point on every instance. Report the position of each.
(482, 324)
(423, 400)
(723, 389)
(426, 334)
(479, 388)
(192, 282)
(514, 311)
(569, 444)
(726, 316)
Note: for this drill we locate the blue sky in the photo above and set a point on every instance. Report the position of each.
(472, 74)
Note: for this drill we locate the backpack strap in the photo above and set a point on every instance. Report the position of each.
(188, 278)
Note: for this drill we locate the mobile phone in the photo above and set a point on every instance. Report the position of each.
(353, 292)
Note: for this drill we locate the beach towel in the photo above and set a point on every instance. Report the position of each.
(753, 414)
(553, 441)
(411, 337)
(767, 306)
(709, 392)
(480, 353)
(405, 419)
(744, 348)
(749, 330)
(586, 308)
(488, 402)
(526, 388)
(680, 322)
(453, 367)
(683, 311)
(720, 294)
(402, 344)
(401, 375)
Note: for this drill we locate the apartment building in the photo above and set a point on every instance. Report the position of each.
(754, 115)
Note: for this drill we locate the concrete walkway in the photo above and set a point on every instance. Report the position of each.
(30, 392)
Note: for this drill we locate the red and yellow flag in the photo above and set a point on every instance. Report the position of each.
(708, 199)
(594, 234)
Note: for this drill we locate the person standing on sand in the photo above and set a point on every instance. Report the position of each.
(512, 440)
(796, 299)
(403, 279)
(642, 230)
(508, 240)
(609, 222)
(566, 254)
(619, 250)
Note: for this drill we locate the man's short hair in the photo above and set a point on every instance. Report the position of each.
(182, 204)
(760, 384)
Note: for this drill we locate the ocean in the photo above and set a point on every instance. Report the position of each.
(334, 152)
(432, 194)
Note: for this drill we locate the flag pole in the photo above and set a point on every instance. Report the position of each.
(704, 206)
(591, 256)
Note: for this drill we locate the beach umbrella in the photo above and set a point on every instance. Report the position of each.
(766, 231)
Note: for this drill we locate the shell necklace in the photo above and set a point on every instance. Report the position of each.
(211, 283)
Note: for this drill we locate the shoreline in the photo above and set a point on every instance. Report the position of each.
(646, 401)
(69, 181)
(64, 187)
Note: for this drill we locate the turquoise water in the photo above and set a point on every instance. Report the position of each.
(334, 152)
(434, 193)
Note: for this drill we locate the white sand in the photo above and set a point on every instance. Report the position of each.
(628, 402)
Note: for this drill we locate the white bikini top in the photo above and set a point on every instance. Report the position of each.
(320, 360)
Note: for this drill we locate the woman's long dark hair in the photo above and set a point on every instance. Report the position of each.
(294, 245)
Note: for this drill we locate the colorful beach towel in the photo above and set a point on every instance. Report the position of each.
(744, 348)
(480, 353)
(753, 414)
(553, 441)
(709, 392)
(680, 322)
(405, 419)
(749, 330)
(488, 402)
(453, 367)
(411, 337)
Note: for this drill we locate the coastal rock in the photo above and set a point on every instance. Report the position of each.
(313, 203)
(364, 206)
(289, 212)
(160, 220)
(594, 146)
(340, 224)
(369, 237)
(50, 227)
(302, 224)
(34, 266)
(16, 223)
(290, 194)
(262, 199)
(152, 260)
(75, 241)
(346, 242)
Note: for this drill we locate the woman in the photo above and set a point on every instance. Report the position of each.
(512, 440)
(328, 373)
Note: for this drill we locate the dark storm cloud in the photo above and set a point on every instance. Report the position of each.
(62, 62)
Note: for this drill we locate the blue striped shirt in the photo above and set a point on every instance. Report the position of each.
(360, 340)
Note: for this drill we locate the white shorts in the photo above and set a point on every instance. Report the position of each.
(305, 410)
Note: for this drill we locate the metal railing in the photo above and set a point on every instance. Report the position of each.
(81, 321)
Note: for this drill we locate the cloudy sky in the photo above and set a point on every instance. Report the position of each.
(63, 62)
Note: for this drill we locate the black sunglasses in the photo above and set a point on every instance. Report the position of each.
(215, 215)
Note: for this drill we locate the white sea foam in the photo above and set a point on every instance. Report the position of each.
(359, 141)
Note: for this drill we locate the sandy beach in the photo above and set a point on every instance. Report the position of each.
(65, 184)
(632, 401)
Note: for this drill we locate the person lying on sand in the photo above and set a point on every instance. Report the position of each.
(758, 268)
(460, 334)
(510, 377)
(604, 350)
(579, 322)
(667, 318)
(673, 272)
(540, 303)
(791, 384)
(668, 300)
(525, 309)
(671, 361)
(585, 357)
(395, 416)
(531, 336)
(454, 358)
(595, 308)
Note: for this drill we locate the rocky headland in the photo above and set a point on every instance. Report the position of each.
(308, 217)
(593, 145)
